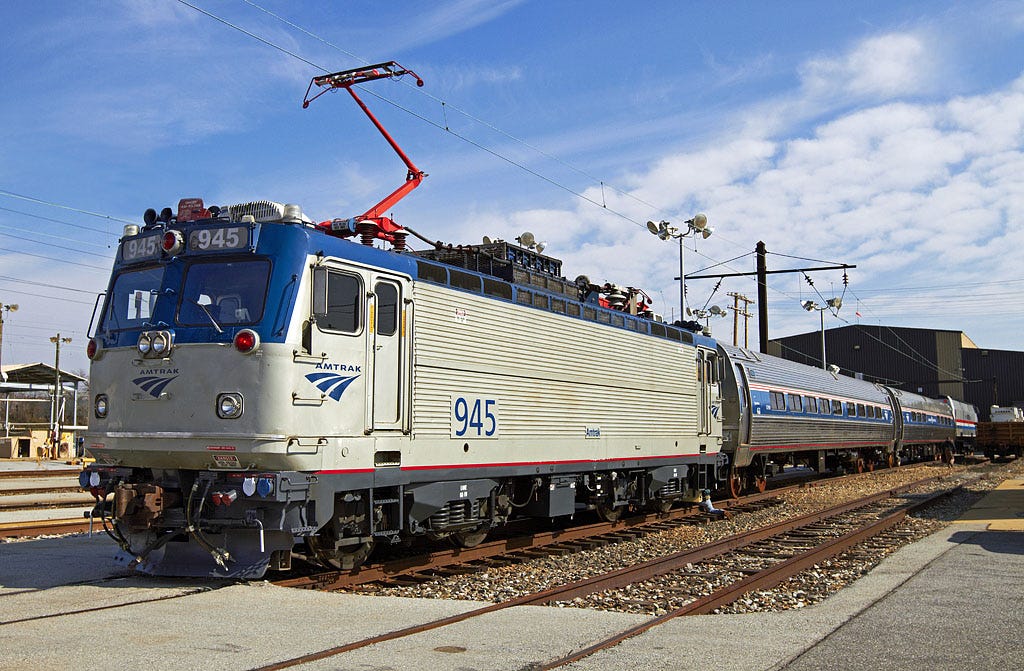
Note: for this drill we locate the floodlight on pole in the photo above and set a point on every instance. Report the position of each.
(832, 304)
(665, 231)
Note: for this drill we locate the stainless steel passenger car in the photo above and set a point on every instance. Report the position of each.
(966, 417)
(778, 411)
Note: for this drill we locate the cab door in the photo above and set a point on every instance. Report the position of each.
(709, 410)
(387, 353)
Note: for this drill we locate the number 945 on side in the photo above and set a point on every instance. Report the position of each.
(474, 417)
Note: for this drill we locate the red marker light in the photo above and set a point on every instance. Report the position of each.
(173, 243)
(92, 348)
(217, 498)
(246, 341)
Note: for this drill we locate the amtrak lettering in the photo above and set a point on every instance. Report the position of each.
(339, 366)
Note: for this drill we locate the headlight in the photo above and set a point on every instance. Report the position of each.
(159, 343)
(100, 406)
(155, 344)
(229, 406)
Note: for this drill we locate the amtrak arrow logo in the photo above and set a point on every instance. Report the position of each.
(153, 384)
(332, 384)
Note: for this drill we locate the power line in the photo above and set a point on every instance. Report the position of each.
(10, 194)
(65, 223)
(51, 258)
(70, 249)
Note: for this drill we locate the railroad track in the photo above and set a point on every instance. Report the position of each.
(512, 549)
(42, 502)
(746, 562)
(433, 564)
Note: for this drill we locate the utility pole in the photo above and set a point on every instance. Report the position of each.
(762, 273)
(4, 308)
(737, 312)
(762, 296)
(58, 396)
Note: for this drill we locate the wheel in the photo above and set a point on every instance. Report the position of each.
(608, 512)
(870, 465)
(343, 558)
(891, 460)
(469, 538)
(735, 486)
(660, 505)
(859, 465)
(760, 483)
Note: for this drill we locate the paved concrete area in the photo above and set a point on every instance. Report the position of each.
(36, 465)
(951, 601)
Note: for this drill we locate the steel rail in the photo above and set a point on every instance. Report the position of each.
(43, 527)
(765, 579)
(333, 580)
(599, 583)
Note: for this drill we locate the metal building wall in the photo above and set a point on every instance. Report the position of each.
(899, 356)
(996, 377)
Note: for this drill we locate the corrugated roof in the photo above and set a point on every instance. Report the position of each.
(37, 373)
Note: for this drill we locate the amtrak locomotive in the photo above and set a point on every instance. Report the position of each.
(264, 385)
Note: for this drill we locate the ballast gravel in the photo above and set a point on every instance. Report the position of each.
(670, 592)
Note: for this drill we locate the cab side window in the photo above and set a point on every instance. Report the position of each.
(342, 312)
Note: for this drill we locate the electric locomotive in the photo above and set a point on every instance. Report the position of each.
(260, 386)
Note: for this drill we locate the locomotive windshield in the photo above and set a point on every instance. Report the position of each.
(224, 293)
(133, 298)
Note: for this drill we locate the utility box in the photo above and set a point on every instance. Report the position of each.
(555, 498)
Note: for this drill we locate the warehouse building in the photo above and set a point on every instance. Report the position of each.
(926, 361)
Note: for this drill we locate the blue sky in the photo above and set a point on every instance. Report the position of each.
(885, 135)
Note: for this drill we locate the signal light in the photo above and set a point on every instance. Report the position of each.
(229, 405)
(173, 242)
(246, 341)
(92, 349)
(216, 498)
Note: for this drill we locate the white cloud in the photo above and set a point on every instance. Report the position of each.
(881, 67)
(918, 193)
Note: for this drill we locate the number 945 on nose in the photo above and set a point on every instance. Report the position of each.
(474, 417)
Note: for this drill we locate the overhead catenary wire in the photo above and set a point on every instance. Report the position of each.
(66, 223)
(444, 127)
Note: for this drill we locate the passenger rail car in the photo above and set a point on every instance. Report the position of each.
(260, 386)
(966, 418)
(779, 411)
(922, 424)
